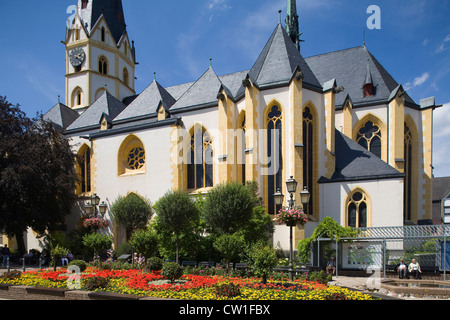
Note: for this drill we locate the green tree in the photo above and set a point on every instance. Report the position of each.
(131, 211)
(97, 242)
(259, 228)
(37, 174)
(262, 259)
(57, 253)
(228, 208)
(176, 213)
(229, 246)
(145, 242)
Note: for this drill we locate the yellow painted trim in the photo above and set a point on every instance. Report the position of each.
(414, 168)
(252, 136)
(427, 160)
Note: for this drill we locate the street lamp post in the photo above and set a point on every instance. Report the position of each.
(291, 186)
(92, 211)
(91, 206)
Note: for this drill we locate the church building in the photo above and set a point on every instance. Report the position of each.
(338, 123)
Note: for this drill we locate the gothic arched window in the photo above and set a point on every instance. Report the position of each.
(369, 136)
(126, 77)
(200, 159)
(102, 65)
(274, 154)
(241, 148)
(408, 174)
(103, 34)
(131, 156)
(308, 159)
(84, 170)
(357, 207)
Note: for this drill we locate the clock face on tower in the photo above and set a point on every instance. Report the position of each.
(77, 57)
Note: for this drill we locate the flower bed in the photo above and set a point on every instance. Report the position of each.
(192, 287)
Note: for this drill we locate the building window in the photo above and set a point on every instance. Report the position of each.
(77, 97)
(274, 155)
(369, 136)
(84, 170)
(407, 208)
(103, 65)
(126, 77)
(357, 210)
(131, 156)
(136, 158)
(103, 34)
(84, 4)
(200, 160)
(308, 158)
(446, 207)
(241, 148)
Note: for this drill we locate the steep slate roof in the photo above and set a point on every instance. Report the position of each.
(112, 10)
(279, 60)
(202, 93)
(349, 68)
(354, 162)
(106, 105)
(61, 116)
(147, 102)
(441, 187)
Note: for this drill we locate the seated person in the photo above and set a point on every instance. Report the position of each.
(414, 269)
(331, 266)
(402, 269)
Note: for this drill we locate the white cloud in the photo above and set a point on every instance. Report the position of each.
(418, 81)
(441, 140)
(441, 121)
(442, 47)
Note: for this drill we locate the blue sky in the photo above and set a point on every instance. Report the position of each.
(177, 38)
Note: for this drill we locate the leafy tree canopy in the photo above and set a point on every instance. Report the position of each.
(228, 207)
(37, 174)
(131, 211)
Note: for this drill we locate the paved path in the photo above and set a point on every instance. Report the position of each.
(364, 283)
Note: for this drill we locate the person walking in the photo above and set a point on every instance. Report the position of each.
(5, 253)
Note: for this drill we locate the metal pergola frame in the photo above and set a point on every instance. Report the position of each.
(383, 234)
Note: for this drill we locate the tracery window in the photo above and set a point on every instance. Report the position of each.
(357, 210)
(274, 154)
(308, 158)
(131, 156)
(408, 174)
(103, 65)
(200, 162)
(369, 136)
(84, 169)
(136, 158)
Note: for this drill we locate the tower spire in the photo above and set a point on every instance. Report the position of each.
(292, 26)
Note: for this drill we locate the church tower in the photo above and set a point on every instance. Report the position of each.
(292, 26)
(99, 54)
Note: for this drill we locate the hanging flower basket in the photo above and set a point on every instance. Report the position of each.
(291, 217)
(95, 223)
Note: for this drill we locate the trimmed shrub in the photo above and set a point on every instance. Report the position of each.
(79, 263)
(154, 264)
(172, 271)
